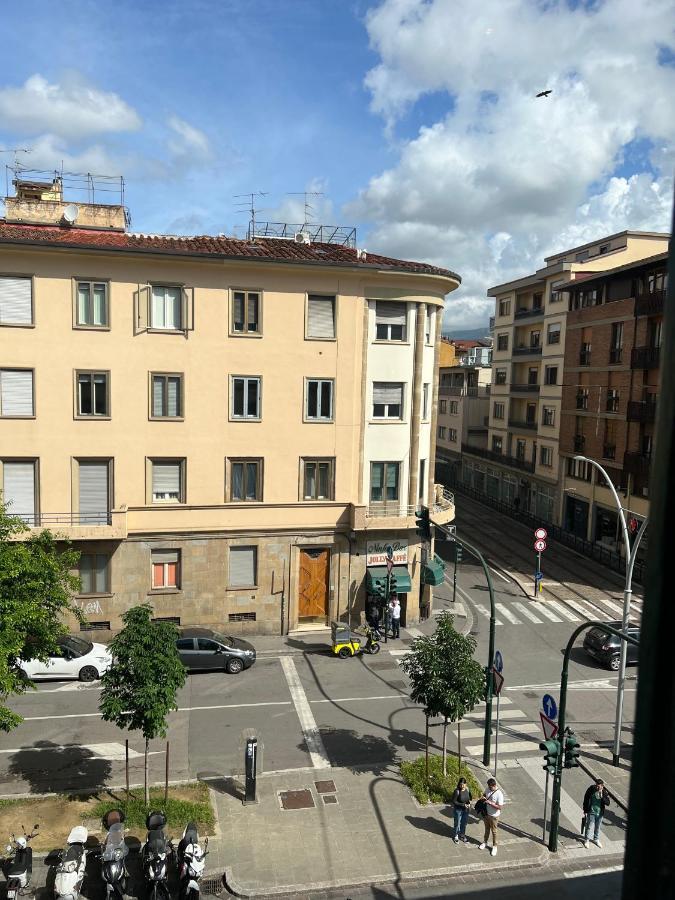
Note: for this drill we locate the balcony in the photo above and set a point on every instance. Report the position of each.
(637, 463)
(525, 388)
(579, 443)
(442, 510)
(650, 304)
(527, 351)
(529, 313)
(641, 411)
(645, 358)
(451, 390)
(511, 461)
(103, 526)
(523, 424)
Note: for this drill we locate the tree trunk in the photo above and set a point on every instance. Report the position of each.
(146, 791)
(445, 745)
(459, 747)
(426, 748)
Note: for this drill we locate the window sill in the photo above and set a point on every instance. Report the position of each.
(242, 587)
(166, 418)
(245, 334)
(105, 595)
(396, 343)
(92, 418)
(307, 421)
(91, 327)
(154, 591)
(386, 422)
(17, 324)
(245, 419)
(308, 337)
(167, 503)
(166, 330)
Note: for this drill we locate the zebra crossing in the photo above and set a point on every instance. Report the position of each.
(540, 612)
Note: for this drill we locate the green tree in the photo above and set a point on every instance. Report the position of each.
(36, 587)
(139, 690)
(445, 678)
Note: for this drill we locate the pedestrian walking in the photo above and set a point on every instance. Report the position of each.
(395, 616)
(373, 615)
(494, 802)
(596, 800)
(461, 801)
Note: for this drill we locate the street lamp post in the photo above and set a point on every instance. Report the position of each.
(627, 595)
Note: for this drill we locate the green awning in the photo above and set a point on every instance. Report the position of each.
(378, 574)
(433, 571)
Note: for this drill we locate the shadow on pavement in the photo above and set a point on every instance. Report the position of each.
(431, 825)
(51, 768)
(351, 750)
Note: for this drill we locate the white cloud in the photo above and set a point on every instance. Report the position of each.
(188, 141)
(72, 109)
(504, 178)
(49, 151)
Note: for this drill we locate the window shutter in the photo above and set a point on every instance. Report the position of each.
(388, 313)
(19, 490)
(157, 391)
(242, 566)
(387, 392)
(93, 493)
(321, 317)
(142, 308)
(16, 306)
(188, 309)
(166, 478)
(173, 396)
(16, 392)
(165, 556)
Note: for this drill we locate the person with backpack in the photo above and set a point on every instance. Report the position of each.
(461, 801)
(596, 800)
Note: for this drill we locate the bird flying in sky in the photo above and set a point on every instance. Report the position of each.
(544, 93)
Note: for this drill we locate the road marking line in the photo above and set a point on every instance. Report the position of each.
(313, 740)
(508, 615)
(602, 870)
(614, 607)
(180, 709)
(486, 612)
(456, 609)
(499, 574)
(350, 699)
(563, 612)
(415, 632)
(509, 747)
(568, 807)
(593, 683)
(547, 613)
(112, 751)
(523, 610)
(525, 728)
(505, 700)
(585, 609)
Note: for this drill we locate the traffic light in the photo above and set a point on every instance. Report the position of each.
(423, 523)
(571, 750)
(392, 584)
(459, 555)
(378, 588)
(551, 755)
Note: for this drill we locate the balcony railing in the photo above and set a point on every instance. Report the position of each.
(513, 462)
(579, 443)
(650, 304)
(645, 358)
(527, 351)
(390, 508)
(637, 463)
(519, 423)
(529, 313)
(525, 388)
(641, 411)
(450, 390)
(443, 500)
(48, 520)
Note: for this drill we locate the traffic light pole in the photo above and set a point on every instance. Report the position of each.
(557, 777)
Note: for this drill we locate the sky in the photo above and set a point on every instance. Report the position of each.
(415, 121)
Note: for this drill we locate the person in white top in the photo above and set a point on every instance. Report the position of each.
(395, 616)
(494, 800)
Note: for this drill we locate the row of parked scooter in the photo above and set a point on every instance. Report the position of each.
(70, 863)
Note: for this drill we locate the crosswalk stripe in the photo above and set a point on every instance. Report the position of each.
(525, 728)
(523, 610)
(503, 701)
(508, 615)
(547, 613)
(610, 604)
(503, 714)
(563, 612)
(523, 746)
(585, 609)
(486, 612)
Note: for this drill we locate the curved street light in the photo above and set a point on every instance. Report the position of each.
(627, 595)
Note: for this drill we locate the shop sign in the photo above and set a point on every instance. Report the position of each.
(376, 552)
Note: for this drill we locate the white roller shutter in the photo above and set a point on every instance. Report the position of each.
(19, 490)
(16, 392)
(166, 481)
(16, 306)
(320, 317)
(390, 313)
(242, 566)
(94, 493)
(387, 392)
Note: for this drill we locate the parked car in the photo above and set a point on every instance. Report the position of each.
(76, 657)
(605, 647)
(202, 649)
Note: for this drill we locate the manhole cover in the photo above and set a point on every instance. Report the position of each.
(329, 798)
(212, 885)
(296, 799)
(325, 787)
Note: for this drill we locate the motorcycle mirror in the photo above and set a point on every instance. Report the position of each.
(9, 848)
(206, 843)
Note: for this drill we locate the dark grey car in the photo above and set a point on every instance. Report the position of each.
(605, 647)
(204, 650)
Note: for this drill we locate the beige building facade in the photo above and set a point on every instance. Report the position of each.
(225, 428)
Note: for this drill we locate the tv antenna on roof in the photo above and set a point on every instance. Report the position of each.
(309, 210)
(16, 151)
(251, 209)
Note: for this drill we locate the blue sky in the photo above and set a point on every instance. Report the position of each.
(415, 118)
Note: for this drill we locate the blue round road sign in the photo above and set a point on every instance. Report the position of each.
(549, 706)
(498, 661)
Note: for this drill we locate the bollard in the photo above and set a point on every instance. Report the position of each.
(250, 766)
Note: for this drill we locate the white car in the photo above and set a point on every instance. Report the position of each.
(76, 658)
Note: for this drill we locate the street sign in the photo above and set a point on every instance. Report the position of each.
(550, 707)
(541, 534)
(499, 661)
(550, 728)
(389, 551)
(497, 682)
(540, 545)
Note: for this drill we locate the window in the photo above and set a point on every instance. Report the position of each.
(384, 481)
(245, 399)
(553, 333)
(454, 407)
(616, 342)
(556, 294)
(504, 307)
(582, 398)
(317, 479)
(91, 304)
(452, 435)
(603, 248)
(16, 393)
(496, 444)
(94, 574)
(246, 480)
(535, 339)
(425, 401)
(93, 397)
(166, 308)
(320, 317)
(165, 570)
(585, 354)
(168, 480)
(16, 300)
(442, 406)
(319, 399)
(19, 489)
(441, 432)
(390, 321)
(498, 410)
(537, 301)
(520, 450)
(551, 375)
(502, 342)
(423, 470)
(655, 333)
(500, 376)
(609, 443)
(581, 256)
(612, 400)
(548, 415)
(387, 400)
(243, 568)
(546, 456)
(533, 375)
(579, 469)
(245, 312)
(94, 492)
(531, 413)
(167, 397)
(429, 327)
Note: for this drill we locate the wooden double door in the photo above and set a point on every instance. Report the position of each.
(313, 589)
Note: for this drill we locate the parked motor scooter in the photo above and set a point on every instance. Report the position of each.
(156, 849)
(17, 864)
(191, 862)
(72, 863)
(113, 856)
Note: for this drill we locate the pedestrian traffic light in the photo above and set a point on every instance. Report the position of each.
(571, 750)
(551, 755)
(423, 523)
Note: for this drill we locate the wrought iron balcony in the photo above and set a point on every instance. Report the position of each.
(510, 461)
(529, 313)
(645, 358)
(518, 423)
(525, 388)
(650, 304)
(527, 351)
(641, 411)
(637, 463)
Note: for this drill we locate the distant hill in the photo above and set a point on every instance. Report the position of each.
(467, 334)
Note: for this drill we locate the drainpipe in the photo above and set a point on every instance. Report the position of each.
(415, 416)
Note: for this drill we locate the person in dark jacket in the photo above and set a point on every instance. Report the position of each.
(596, 800)
(461, 800)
